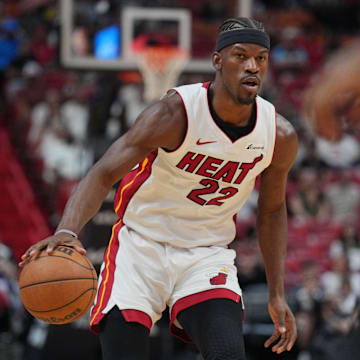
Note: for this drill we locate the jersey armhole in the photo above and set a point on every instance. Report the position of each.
(186, 131)
(275, 134)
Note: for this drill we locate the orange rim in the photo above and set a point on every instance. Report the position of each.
(157, 57)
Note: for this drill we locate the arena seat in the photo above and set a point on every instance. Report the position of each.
(21, 221)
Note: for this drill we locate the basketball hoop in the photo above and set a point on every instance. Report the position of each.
(160, 67)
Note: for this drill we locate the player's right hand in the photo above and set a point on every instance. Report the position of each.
(49, 244)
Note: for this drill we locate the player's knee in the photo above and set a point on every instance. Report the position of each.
(229, 350)
(224, 346)
(219, 335)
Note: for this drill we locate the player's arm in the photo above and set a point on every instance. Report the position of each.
(163, 124)
(272, 233)
(332, 94)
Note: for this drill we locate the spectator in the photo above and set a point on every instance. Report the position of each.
(339, 314)
(341, 154)
(9, 42)
(344, 197)
(132, 101)
(248, 211)
(348, 245)
(62, 157)
(288, 55)
(213, 10)
(41, 48)
(56, 133)
(332, 280)
(251, 269)
(309, 201)
(18, 80)
(11, 310)
(310, 158)
(309, 297)
(41, 115)
(75, 113)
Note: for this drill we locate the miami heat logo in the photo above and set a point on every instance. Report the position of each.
(219, 279)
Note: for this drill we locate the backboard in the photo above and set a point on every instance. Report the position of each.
(99, 35)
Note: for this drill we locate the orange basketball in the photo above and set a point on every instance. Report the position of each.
(60, 287)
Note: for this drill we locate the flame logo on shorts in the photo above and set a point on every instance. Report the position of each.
(219, 279)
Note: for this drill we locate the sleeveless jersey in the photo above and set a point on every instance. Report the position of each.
(188, 197)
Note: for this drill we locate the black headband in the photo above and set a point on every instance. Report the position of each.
(252, 36)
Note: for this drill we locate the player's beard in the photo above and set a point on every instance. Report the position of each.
(244, 97)
(246, 100)
(240, 97)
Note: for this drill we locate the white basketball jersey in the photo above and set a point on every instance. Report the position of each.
(188, 197)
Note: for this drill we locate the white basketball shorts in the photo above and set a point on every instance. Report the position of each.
(142, 276)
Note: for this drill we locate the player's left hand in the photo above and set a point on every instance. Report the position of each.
(285, 327)
(329, 120)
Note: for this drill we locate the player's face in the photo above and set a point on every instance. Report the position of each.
(243, 67)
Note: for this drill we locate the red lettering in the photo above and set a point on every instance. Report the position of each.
(245, 168)
(208, 165)
(210, 187)
(190, 162)
(227, 172)
(228, 193)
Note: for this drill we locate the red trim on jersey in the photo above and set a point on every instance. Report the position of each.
(187, 126)
(234, 218)
(272, 158)
(194, 299)
(222, 131)
(107, 278)
(138, 316)
(127, 188)
(235, 223)
(206, 84)
(132, 182)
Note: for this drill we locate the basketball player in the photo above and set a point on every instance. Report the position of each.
(333, 94)
(187, 166)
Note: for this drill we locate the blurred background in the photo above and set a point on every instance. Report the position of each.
(73, 77)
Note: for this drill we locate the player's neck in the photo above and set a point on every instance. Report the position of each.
(227, 109)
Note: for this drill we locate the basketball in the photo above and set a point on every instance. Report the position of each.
(60, 287)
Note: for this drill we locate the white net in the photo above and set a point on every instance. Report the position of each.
(160, 68)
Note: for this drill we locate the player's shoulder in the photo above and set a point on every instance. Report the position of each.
(194, 87)
(286, 144)
(161, 124)
(284, 128)
(190, 91)
(173, 100)
(166, 111)
(172, 104)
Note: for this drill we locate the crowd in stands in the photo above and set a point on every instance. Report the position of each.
(60, 121)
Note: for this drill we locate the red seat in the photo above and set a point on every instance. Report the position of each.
(21, 221)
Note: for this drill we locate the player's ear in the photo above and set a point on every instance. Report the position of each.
(217, 60)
